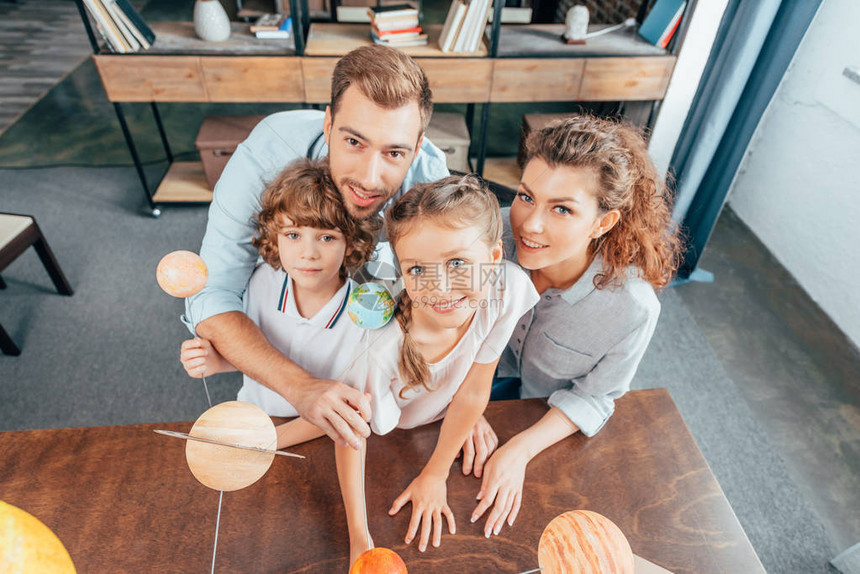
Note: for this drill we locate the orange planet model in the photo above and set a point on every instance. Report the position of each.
(584, 542)
(379, 561)
(181, 273)
(27, 545)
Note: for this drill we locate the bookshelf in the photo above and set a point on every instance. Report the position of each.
(515, 63)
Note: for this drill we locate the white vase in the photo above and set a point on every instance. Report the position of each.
(210, 21)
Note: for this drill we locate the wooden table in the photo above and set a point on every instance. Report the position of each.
(123, 500)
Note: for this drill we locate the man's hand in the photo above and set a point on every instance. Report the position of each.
(337, 409)
(327, 404)
(479, 445)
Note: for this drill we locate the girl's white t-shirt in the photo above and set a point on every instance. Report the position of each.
(375, 364)
(323, 345)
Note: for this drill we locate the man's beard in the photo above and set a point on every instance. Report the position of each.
(359, 211)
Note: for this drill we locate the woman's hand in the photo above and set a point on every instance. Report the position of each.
(429, 496)
(502, 487)
(478, 447)
(200, 358)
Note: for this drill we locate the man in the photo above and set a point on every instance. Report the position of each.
(372, 134)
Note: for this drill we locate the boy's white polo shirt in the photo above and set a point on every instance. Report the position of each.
(322, 345)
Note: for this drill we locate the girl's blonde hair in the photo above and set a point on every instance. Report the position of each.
(455, 202)
(305, 193)
(645, 237)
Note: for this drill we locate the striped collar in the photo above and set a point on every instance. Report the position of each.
(328, 316)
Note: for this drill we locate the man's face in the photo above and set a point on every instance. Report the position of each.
(370, 149)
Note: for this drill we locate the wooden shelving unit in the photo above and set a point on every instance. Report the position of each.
(184, 182)
(517, 63)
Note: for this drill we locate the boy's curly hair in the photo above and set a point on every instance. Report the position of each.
(305, 193)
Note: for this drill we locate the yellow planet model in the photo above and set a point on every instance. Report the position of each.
(29, 547)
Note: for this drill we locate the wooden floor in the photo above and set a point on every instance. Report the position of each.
(41, 41)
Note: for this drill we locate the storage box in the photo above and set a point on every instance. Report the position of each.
(449, 133)
(219, 136)
(217, 140)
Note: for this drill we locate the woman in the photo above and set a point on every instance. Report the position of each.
(591, 222)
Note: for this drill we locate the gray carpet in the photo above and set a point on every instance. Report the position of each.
(108, 355)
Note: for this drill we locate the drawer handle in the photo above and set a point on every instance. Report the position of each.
(449, 150)
(221, 153)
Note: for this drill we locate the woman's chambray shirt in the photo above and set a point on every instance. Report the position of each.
(581, 346)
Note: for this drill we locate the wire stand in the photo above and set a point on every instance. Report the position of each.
(217, 525)
(205, 386)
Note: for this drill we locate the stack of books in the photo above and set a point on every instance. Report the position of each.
(464, 25)
(272, 26)
(396, 25)
(120, 25)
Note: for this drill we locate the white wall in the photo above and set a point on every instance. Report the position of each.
(798, 187)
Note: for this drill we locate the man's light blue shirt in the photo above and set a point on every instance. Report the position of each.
(278, 140)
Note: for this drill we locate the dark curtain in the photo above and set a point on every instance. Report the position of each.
(752, 50)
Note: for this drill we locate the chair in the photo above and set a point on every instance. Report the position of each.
(17, 234)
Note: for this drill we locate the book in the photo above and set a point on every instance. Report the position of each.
(396, 24)
(268, 22)
(400, 41)
(121, 25)
(417, 41)
(469, 23)
(513, 15)
(392, 10)
(105, 26)
(284, 30)
(662, 21)
(478, 31)
(352, 14)
(452, 25)
(136, 20)
(396, 33)
(138, 35)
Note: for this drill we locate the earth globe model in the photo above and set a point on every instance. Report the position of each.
(370, 306)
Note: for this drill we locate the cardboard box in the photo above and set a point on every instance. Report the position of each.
(217, 140)
(449, 133)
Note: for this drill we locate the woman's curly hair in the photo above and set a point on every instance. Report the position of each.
(645, 237)
(305, 193)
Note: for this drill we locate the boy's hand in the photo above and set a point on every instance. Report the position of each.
(479, 445)
(429, 496)
(200, 358)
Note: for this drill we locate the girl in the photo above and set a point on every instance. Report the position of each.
(297, 297)
(591, 223)
(459, 307)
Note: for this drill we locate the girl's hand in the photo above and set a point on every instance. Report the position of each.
(502, 488)
(200, 358)
(429, 496)
(479, 445)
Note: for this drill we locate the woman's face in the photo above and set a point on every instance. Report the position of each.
(447, 272)
(555, 215)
